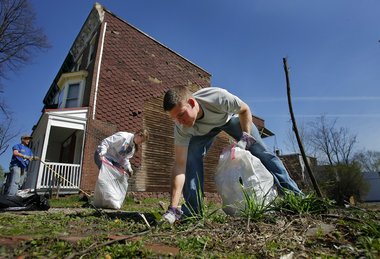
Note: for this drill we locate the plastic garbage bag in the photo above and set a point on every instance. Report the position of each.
(239, 170)
(28, 202)
(111, 186)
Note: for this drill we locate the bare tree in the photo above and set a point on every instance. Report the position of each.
(325, 141)
(368, 160)
(7, 133)
(291, 141)
(335, 145)
(19, 36)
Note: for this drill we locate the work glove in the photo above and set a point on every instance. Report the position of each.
(30, 158)
(130, 172)
(34, 158)
(102, 152)
(172, 214)
(246, 141)
(128, 169)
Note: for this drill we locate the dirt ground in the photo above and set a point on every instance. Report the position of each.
(340, 233)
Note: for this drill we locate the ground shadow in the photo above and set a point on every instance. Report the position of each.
(127, 215)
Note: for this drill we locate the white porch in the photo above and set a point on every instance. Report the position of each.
(58, 140)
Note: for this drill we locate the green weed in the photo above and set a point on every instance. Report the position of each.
(292, 203)
(126, 250)
(193, 244)
(72, 201)
(370, 245)
(254, 207)
(272, 246)
(371, 229)
(205, 211)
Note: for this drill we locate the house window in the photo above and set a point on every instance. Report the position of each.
(71, 87)
(70, 95)
(72, 99)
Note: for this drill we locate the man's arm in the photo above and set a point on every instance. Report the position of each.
(245, 117)
(178, 174)
(21, 156)
(17, 153)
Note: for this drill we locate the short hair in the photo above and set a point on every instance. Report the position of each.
(174, 96)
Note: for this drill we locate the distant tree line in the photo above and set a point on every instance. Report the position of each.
(340, 168)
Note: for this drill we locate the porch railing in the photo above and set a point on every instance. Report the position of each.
(60, 176)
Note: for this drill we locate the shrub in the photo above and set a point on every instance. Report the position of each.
(340, 182)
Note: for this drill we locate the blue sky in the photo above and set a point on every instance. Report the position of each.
(332, 47)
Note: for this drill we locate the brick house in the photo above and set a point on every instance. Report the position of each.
(296, 167)
(113, 79)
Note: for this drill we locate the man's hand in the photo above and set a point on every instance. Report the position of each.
(27, 157)
(172, 214)
(35, 158)
(246, 141)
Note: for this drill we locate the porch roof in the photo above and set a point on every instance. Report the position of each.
(79, 114)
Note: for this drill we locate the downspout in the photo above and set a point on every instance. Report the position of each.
(98, 72)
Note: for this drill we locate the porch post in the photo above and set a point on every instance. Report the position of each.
(43, 154)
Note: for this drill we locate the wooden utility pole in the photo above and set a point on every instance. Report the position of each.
(314, 182)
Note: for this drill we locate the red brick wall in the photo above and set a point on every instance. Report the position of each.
(135, 69)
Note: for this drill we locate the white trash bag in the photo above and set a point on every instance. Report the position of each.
(237, 165)
(111, 187)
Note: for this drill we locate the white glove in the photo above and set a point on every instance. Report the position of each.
(246, 141)
(172, 214)
(27, 157)
(128, 168)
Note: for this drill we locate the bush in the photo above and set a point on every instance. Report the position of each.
(340, 182)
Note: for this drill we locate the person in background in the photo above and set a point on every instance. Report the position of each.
(119, 148)
(21, 157)
(198, 118)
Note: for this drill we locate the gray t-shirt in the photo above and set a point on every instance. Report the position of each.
(218, 107)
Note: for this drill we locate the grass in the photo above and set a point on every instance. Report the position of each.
(76, 232)
(292, 203)
(205, 212)
(254, 207)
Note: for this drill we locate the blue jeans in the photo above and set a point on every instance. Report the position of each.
(193, 190)
(14, 181)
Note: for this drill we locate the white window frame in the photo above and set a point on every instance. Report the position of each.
(68, 79)
(78, 98)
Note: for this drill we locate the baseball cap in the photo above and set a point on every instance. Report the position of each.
(26, 136)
